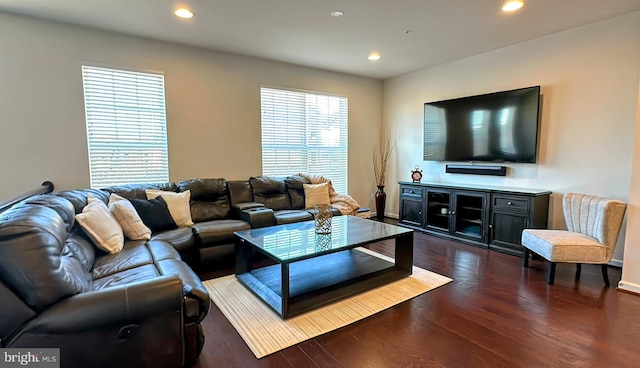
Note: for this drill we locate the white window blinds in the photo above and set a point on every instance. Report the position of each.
(305, 133)
(126, 126)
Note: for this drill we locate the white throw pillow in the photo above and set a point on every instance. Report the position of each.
(128, 218)
(316, 194)
(101, 226)
(178, 204)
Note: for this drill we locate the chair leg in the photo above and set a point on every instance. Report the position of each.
(605, 274)
(551, 273)
(578, 270)
(525, 260)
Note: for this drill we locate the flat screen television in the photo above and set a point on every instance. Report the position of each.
(493, 127)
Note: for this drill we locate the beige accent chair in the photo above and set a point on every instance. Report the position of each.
(593, 225)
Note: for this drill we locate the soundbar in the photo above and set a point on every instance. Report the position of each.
(477, 170)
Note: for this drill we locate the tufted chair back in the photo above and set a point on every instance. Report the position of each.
(597, 217)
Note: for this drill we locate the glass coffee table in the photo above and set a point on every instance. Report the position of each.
(311, 269)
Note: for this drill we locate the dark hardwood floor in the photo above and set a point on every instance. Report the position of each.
(494, 314)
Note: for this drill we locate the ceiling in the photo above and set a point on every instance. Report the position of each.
(409, 34)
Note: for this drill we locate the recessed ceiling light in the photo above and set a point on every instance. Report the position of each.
(184, 13)
(512, 5)
(374, 56)
(337, 13)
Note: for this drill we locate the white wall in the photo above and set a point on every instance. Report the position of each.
(589, 79)
(631, 270)
(213, 105)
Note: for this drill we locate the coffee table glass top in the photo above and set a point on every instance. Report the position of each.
(291, 242)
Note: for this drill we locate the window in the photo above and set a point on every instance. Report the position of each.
(305, 133)
(126, 126)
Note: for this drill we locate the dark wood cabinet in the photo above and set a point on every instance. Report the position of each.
(411, 205)
(490, 217)
(510, 214)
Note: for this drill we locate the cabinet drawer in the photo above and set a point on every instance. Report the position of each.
(507, 202)
(411, 191)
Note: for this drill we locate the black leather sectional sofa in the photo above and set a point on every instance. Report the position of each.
(139, 307)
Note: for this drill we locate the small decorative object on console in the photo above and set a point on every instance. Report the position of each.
(416, 174)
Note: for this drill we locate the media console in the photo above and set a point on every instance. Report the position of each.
(486, 216)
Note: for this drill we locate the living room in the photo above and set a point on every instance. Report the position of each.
(589, 134)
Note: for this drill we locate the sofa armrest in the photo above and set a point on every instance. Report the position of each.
(196, 300)
(237, 208)
(118, 305)
(258, 217)
(135, 325)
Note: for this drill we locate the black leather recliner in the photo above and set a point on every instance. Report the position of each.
(141, 307)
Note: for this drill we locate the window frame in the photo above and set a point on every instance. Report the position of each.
(316, 145)
(125, 117)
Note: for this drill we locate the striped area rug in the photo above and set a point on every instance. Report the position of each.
(266, 333)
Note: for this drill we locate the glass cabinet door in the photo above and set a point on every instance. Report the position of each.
(470, 215)
(438, 211)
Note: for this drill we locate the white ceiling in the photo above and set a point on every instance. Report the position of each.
(303, 32)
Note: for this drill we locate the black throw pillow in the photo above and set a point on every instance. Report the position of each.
(154, 213)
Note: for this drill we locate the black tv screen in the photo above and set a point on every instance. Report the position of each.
(494, 127)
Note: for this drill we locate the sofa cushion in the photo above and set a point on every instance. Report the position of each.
(219, 231)
(61, 205)
(271, 191)
(239, 191)
(562, 246)
(182, 239)
(134, 254)
(161, 250)
(145, 272)
(100, 225)
(291, 216)
(128, 218)
(209, 198)
(154, 213)
(315, 194)
(178, 204)
(78, 197)
(33, 260)
(138, 190)
(82, 248)
(295, 187)
(74, 271)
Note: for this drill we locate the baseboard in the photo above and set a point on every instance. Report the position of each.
(629, 287)
(386, 214)
(616, 263)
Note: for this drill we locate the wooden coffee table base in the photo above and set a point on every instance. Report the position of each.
(297, 287)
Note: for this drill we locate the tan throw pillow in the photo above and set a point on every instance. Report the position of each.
(100, 226)
(128, 218)
(316, 194)
(178, 204)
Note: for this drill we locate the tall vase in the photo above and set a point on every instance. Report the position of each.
(381, 200)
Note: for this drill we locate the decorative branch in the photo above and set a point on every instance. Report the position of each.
(381, 155)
